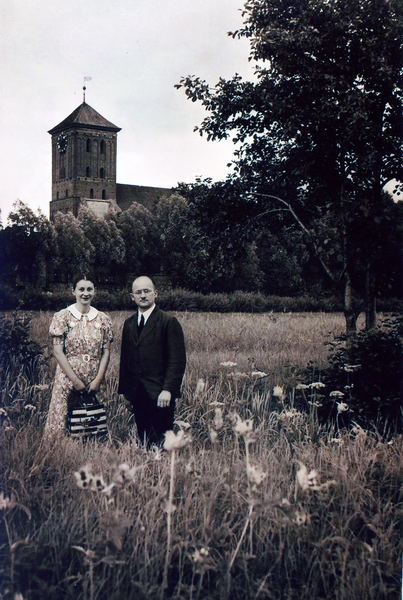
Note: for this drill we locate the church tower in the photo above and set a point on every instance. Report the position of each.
(84, 152)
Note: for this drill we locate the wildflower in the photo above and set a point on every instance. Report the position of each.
(302, 386)
(174, 441)
(316, 385)
(18, 596)
(228, 364)
(300, 518)
(213, 435)
(243, 428)
(255, 474)
(336, 394)
(183, 424)
(200, 386)
(315, 404)
(342, 407)
(351, 368)
(307, 480)
(30, 407)
(218, 420)
(3, 412)
(200, 556)
(87, 480)
(238, 375)
(278, 392)
(6, 502)
(259, 374)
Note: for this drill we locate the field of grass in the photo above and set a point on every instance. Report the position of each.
(254, 500)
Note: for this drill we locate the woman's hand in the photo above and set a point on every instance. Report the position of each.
(79, 385)
(94, 385)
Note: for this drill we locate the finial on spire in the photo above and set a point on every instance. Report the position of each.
(84, 88)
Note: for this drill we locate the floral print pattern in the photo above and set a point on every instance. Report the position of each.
(84, 337)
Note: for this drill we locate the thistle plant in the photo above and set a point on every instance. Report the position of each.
(173, 442)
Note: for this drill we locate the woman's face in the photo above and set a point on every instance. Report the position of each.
(84, 292)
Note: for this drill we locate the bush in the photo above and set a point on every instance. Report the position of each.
(368, 369)
(17, 348)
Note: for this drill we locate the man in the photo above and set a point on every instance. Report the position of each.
(152, 363)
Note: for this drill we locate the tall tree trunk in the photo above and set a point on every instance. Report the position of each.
(351, 318)
(370, 300)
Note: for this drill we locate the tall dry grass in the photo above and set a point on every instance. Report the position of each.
(262, 503)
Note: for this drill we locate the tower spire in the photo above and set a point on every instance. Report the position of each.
(84, 88)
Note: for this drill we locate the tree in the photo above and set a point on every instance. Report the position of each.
(109, 247)
(75, 251)
(319, 132)
(26, 246)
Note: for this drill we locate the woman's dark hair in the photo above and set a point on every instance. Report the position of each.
(86, 276)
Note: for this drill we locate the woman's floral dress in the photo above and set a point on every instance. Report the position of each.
(84, 337)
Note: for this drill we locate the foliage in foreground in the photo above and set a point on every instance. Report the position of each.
(262, 502)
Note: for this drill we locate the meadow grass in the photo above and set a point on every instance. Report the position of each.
(260, 502)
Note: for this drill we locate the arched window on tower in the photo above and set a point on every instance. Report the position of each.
(103, 194)
(67, 193)
(91, 193)
(102, 173)
(102, 147)
(88, 172)
(88, 145)
(62, 174)
(57, 195)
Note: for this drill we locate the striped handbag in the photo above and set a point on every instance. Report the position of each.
(86, 416)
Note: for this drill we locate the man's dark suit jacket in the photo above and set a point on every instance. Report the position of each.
(156, 359)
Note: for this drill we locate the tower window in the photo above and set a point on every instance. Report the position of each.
(67, 193)
(88, 172)
(57, 195)
(88, 145)
(103, 194)
(102, 173)
(62, 174)
(102, 147)
(91, 193)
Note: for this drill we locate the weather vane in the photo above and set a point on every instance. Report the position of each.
(84, 88)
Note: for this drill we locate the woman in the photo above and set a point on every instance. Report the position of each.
(82, 336)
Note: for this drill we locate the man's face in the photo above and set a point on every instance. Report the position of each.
(144, 293)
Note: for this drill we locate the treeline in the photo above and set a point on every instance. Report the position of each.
(205, 238)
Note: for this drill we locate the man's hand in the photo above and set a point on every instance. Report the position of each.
(164, 399)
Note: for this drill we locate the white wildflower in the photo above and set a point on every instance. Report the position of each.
(174, 441)
(316, 385)
(218, 422)
(307, 480)
(336, 394)
(200, 386)
(342, 407)
(5, 502)
(213, 435)
(243, 428)
(278, 392)
(259, 374)
(228, 364)
(302, 386)
(255, 474)
(87, 480)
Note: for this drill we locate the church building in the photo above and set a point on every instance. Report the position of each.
(84, 156)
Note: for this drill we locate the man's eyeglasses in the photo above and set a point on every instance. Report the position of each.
(141, 292)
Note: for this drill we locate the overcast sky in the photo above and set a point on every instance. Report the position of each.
(135, 51)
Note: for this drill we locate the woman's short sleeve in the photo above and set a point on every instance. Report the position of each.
(58, 326)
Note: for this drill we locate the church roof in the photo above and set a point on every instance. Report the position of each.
(149, 197)
(82, 117)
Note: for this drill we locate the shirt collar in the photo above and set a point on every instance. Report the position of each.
(145, 314)
(76, 313)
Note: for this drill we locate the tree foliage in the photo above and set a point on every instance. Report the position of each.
(319, 131)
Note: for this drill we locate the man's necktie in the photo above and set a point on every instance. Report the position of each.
(140, 326)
